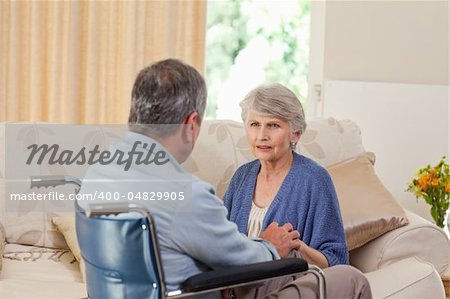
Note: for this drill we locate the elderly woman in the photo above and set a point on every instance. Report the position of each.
(283, 187)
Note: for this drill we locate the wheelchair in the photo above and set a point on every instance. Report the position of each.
(113, 269)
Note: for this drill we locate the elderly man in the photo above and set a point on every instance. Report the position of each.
(167, 107)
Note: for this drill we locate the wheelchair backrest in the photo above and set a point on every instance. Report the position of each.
(121, 256)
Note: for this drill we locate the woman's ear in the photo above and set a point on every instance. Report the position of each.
(295, 136)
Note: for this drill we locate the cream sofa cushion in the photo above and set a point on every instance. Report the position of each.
(27, 226)
(66, 226)
(419, 238)
(21, 288)
(368, 209)
(407, 278)
(31, 223)
(224, 139)
(329, 141)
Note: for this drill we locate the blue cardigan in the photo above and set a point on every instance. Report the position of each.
(307, 199)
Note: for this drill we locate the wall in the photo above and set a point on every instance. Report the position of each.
(394, 126)
(387, 41)
(393, 42)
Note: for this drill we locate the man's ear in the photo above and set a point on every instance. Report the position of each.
(191, 127)
(191, 118)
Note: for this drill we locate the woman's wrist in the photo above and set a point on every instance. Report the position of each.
(313, 256)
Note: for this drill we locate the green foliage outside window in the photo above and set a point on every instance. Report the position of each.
(254, 42)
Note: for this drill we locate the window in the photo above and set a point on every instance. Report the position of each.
(249, 43)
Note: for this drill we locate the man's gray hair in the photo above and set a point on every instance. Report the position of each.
(277, 101)
(166, 92)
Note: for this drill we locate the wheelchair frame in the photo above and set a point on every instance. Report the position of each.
(202, 284)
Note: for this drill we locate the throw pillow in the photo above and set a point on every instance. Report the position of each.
(66, 226)
(368, 209)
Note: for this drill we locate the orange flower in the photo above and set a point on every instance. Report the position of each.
(435, 182)
(433, 185)
(447, 187)
(423, 182)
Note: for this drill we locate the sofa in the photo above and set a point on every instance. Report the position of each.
(401, 254)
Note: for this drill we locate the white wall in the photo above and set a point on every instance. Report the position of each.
(405, 125)
(387, 41)
(448, 71)
(407, 42)
(316, 58)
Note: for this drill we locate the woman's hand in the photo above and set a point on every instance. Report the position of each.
(227, 294)
(313, 256)
(284, 238)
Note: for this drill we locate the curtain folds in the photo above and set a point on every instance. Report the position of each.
(76, 61)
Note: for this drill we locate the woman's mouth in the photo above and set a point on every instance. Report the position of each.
(263, 147)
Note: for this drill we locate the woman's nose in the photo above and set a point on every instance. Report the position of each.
(262, 134)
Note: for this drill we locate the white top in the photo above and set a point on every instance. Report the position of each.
(255, 220)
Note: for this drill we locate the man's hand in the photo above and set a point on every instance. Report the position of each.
(284, 238)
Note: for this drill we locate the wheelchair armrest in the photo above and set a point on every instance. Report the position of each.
(234, 276)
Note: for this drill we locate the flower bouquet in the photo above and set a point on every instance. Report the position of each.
(433, 185)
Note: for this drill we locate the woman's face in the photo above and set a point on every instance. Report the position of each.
(269, 137)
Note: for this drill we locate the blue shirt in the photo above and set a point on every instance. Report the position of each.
(194, 234)
(306, 199)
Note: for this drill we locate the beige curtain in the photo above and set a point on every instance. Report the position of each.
(75, 61)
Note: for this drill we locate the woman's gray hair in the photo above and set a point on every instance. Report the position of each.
(277, 101)
(166, 92)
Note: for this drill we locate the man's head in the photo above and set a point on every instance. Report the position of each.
(166, 92)
(166, 95)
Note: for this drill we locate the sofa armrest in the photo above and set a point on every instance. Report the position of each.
(419, 238)
(406, 279)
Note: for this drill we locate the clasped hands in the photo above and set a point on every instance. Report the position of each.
(283, 237)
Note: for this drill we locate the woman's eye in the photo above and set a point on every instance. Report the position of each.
(274, 125)
(253, 124)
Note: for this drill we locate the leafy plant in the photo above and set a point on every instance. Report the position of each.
(433, 185)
